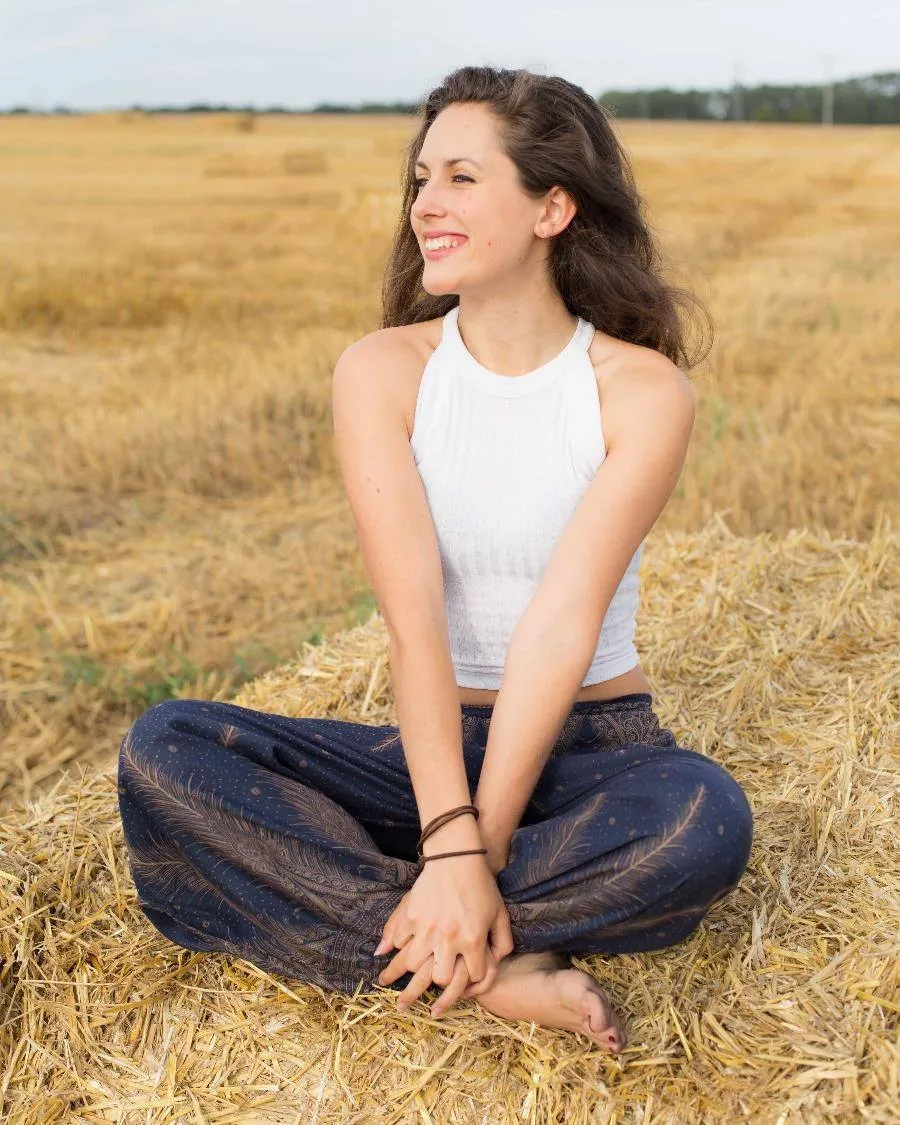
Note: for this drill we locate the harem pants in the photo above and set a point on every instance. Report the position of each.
(289, 841)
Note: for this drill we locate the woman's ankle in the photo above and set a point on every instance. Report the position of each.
(550, 959)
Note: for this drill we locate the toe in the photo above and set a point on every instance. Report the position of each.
(601, 1023)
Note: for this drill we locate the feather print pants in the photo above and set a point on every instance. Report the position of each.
(290, 841)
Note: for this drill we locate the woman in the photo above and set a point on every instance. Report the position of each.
(507, 438)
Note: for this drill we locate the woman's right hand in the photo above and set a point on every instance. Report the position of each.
(452, 929)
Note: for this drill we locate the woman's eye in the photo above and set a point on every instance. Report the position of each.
(459, 176)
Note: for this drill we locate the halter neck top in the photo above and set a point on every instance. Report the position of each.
(504, 460)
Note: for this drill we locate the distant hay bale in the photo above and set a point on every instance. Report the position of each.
(299, 162)
(237, 164)
(326, 200)
(304, 162)
(775, 656)
(245, 123)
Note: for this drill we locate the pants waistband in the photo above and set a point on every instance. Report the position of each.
(638, 698)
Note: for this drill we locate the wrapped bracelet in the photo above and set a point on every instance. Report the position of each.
(442, 819)
(443, 855)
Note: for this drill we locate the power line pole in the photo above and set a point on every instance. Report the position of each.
(828, 93)
(737, 95)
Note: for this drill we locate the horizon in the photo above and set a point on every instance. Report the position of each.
(209, 106)
(97, 56)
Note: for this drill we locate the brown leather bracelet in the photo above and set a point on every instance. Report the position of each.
(443, 855)
(442, 819)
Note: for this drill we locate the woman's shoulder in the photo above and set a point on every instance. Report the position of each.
(631, 375)
(610, 356)
(399, 355)
(405, 341)
(615, 360)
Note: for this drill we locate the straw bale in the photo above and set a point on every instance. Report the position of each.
(292, 162)
(776, 656)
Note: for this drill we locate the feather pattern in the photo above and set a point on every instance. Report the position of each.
(228, 734)
(237, 846)
(304, 868)
(157, 862)
(625, 886)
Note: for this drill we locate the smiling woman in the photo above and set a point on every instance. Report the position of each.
(506, 440)
(515, 135)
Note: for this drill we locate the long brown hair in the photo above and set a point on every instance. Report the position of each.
(605, 264)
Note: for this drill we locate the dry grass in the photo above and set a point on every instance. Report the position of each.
(173, 295)
(778, 659)
(172, 519)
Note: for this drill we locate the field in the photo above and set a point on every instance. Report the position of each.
(174, 292)
(173, 295)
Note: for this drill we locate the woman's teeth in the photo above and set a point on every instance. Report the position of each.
(442, 243)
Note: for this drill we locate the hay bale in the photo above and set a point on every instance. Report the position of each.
(775, 656)
(245, 123)
(237, 164)
(304, 162)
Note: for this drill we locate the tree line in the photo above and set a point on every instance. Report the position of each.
(869, 100)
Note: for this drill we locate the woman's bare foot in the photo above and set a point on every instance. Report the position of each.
(541, 987)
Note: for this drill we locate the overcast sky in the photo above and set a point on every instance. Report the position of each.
(91, 54)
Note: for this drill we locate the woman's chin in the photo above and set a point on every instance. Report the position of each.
(437, 287)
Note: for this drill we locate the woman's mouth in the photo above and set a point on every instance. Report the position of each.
(437, 248)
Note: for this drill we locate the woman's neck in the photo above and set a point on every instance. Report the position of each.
(515, 336)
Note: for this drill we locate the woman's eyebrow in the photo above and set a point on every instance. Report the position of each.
(452, 160)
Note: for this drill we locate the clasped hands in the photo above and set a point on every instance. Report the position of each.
(452, 929)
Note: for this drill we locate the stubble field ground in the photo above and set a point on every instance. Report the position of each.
(174, 292)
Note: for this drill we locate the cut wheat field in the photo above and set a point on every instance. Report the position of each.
(174, 292)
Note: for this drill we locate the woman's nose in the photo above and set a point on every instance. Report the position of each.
(428, 202)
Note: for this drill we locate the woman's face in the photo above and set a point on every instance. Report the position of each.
(477, 198)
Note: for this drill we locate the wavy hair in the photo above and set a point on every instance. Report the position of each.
(605, 264)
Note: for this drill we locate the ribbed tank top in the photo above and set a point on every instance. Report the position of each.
(504, 461)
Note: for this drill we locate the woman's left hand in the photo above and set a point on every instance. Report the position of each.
(460, 988)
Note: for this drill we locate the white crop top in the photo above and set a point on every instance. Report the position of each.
(504, 461)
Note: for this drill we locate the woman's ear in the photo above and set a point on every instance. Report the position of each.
(559, 210)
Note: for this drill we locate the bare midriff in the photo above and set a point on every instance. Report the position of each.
(631, 681)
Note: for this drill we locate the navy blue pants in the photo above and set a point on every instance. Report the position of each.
(289, 841)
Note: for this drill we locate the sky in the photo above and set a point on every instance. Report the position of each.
(103, 54)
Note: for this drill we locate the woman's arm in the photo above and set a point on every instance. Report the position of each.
(452, 926)
(648, 416)
(400, 549)
(428, 714)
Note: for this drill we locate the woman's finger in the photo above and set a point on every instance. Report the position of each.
(476, 988)
(421, 980)
(501, 936)
(388, 934)
(445, 962)
(386, 942)
(454, 989)
(477, 962)
(397, 966)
